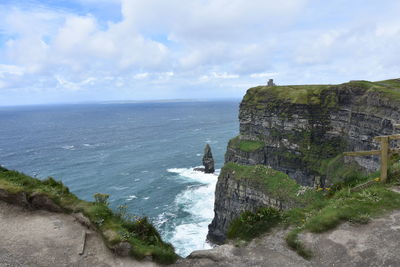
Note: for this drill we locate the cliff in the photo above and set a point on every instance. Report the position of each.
(122, 233)
(302, 131)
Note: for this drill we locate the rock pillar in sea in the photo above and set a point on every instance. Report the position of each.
(208, 160)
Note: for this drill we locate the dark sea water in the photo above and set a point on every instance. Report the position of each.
(141, 154)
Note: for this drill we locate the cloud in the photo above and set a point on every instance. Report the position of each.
(225, 75)
(264, 75)
(191, 48)
(140, 76)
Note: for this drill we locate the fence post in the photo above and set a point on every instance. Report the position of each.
(384, 158)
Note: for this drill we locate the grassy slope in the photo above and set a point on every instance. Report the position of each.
(275, 184)
(114, 227)
(309, 94)
(321, 209)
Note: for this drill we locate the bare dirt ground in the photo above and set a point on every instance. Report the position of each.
(374, 244)
(41, 238)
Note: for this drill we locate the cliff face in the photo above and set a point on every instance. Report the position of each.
(302, 131)
(242, 188)
(301, 126)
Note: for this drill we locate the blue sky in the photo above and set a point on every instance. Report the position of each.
(94, 50)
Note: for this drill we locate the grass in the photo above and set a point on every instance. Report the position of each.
(262, 96)
(246, 145)
(343, 206)
(114, 226)
(296, 94)
(250, 225)
(320, 210)
(275, 184)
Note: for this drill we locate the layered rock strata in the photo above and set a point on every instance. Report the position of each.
(302, 132)
(299, 133)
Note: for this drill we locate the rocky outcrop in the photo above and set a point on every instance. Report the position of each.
(234, 196)
(302, 131)
(208, 160)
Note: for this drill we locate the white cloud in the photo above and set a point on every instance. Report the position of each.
(140, 76)
(224, 75)
(6, 70)
(220, 45)
(263, 75)
(74, 86)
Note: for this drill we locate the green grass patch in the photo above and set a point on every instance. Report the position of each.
(250, 225)
(246, 145)
(276, 184)
(292, 240)
(342, 206)
(296, 94)
(317, 211)
(266, 96)
(113, 226)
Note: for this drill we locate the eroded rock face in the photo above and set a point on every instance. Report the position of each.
(208, 160)
(232, 197)
(345, 118)
(298, 133)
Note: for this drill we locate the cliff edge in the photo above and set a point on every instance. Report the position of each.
(301, 132)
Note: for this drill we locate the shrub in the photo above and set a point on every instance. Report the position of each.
(250, 225)
(101, 198)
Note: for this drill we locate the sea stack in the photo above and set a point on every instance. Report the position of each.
(208, 160)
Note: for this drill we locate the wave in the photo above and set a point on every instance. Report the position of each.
(131, 197)
(119, 188)
(68, 147)
(189, 174)
(195, 207)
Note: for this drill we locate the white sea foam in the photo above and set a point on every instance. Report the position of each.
(198, 200)
(136, 180)
(119, 188)
(146, 198)
(68, 147)
(189, 174)
(131, 197)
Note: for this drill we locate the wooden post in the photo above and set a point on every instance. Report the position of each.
(384, 158)
(384, 152)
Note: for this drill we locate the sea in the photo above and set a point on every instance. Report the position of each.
(142, 154)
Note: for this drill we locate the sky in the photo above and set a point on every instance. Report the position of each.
(59, 51)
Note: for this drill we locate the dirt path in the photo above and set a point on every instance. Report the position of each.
(373, 244)
(41, 238)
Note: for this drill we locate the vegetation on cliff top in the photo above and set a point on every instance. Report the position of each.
(276, 184)
(311, 94)
(245, 145)
(115, 227)
(328, 208)
(250, 225)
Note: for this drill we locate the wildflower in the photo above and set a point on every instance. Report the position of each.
(377, 179)
(320, 189)
(327, 189)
